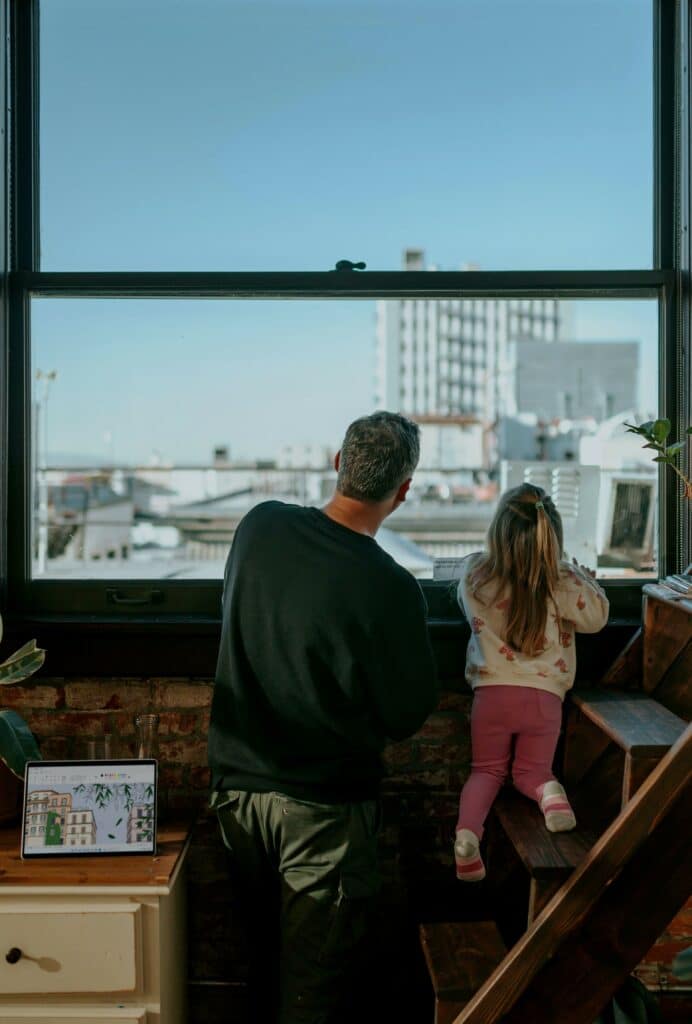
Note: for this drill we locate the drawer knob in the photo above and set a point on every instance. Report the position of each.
(13, 955)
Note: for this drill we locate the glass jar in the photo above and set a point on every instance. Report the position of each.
(99, 749)
(147, 727)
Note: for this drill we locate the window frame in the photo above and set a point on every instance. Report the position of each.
(83, 603)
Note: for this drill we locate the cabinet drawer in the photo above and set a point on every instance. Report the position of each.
(72, 948)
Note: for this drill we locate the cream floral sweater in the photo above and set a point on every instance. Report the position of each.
(582, 607)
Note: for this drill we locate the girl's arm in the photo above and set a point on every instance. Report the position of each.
(581, 600)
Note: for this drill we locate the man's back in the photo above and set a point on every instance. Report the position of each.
(324, 654)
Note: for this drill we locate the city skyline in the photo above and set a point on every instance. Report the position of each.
(196, 375)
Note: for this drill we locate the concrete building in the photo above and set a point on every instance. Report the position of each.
(490, 358)
(446, 356)
(573, 380)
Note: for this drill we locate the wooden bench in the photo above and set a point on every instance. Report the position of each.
(460, 956)
(549, 858)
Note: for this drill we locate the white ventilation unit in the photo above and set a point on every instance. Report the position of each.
(575, 491)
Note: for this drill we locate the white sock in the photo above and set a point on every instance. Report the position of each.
(558, 814)
(466, 843)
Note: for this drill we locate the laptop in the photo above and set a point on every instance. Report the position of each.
(80, 808)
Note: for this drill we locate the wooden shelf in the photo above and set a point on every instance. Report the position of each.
(135, 870)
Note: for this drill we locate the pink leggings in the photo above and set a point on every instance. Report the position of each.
(498, 714)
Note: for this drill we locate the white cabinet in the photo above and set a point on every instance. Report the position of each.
(94, 941)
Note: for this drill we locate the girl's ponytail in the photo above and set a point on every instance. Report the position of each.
(525, 548)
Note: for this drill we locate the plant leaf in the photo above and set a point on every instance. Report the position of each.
(28, 648)
(662, 458)
(689, 430)
(15, 670)
(22, 664)
(646, 427)
(661, 429)
(673, 449)
(17, 743)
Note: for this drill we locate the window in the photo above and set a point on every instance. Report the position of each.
(144, 418)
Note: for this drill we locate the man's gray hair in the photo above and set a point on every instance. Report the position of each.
(378, 454)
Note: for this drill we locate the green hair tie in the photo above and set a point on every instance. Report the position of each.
(539, 504)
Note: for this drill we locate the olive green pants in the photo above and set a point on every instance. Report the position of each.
(308, 874)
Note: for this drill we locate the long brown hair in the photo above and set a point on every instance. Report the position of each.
(524, 552)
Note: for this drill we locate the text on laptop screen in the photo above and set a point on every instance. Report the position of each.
(99, 807)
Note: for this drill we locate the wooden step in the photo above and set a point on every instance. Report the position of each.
(604, 726)
(548, 857)
(638, 725)
(460, 956)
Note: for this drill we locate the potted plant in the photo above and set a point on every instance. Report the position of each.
(655, 433)
(17, 743)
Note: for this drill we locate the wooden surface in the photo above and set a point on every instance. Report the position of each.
(460, 956)
(545, 855)
(626, 670)
(541, 892)
(667, 632)
(637, 724)
(674, 688)
(637, 770)
(606, 916)
(597, 800)
(136, 869)
(584, 744)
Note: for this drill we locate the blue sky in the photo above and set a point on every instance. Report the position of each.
(216, 134)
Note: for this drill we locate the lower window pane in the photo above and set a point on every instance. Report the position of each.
(158, 423)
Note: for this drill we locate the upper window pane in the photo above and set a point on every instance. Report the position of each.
(266, 135)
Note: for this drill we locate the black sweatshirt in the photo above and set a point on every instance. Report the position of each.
(324, 655)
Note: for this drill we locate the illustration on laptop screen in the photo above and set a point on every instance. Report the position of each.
(89, 807)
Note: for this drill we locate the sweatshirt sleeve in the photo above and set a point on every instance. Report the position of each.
(403, 683)
(582, 601)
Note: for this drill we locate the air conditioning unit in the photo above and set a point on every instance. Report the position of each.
(626, 524)
(575, 492)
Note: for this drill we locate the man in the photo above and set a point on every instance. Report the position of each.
(324, 656)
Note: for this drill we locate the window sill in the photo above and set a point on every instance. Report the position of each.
(180, 646)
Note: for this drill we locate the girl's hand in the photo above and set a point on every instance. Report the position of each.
(587, 572)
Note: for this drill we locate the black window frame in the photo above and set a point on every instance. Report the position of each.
(83, 604)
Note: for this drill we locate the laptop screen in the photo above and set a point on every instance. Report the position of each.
(89, 807)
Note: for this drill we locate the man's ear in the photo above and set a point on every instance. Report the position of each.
(403, 491)
(337, 461)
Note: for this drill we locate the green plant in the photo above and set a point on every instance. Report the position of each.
(656, 432)
(17, 743)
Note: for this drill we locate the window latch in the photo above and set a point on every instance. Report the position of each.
(133, 597)
(347, 265)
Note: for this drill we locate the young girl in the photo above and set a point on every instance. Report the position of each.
(524, 605)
